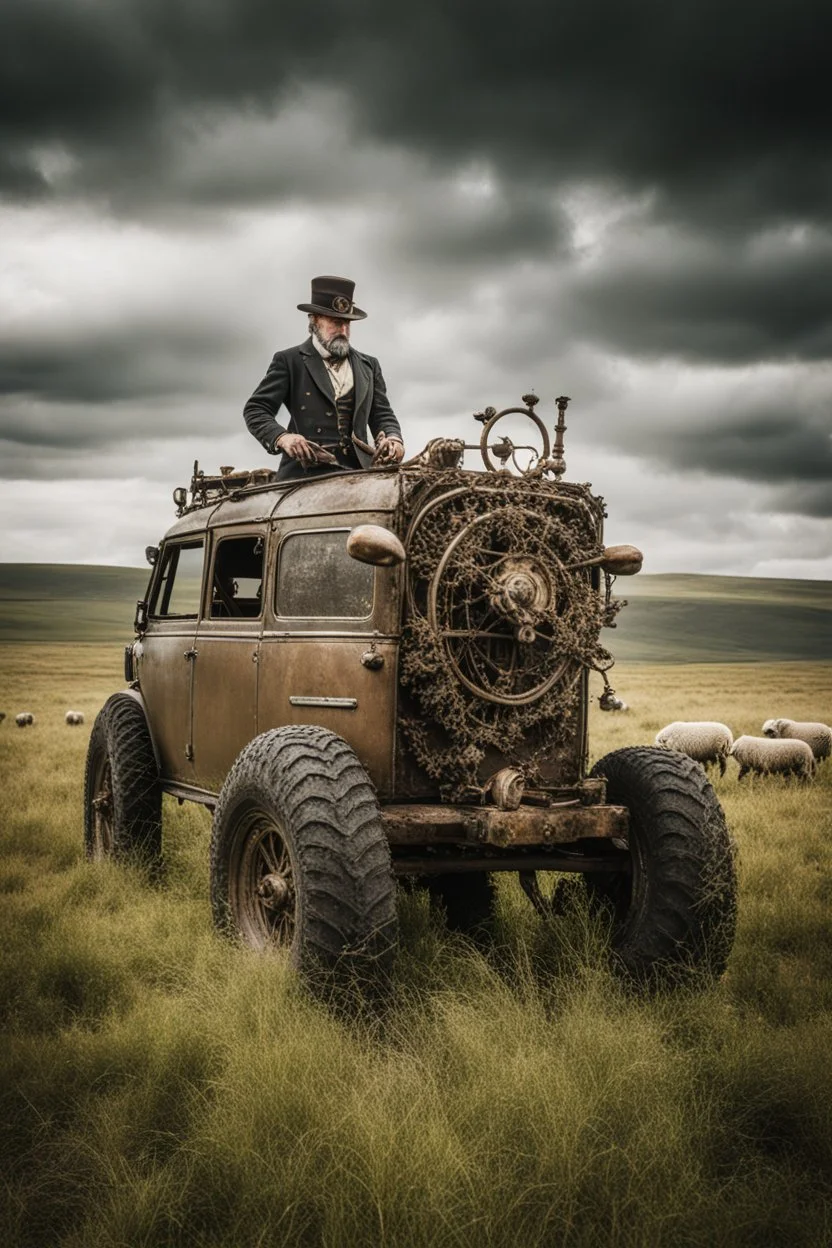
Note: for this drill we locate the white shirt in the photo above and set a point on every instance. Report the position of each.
(340, 374)
(340, 371)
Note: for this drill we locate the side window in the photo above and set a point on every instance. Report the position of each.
(237, 580)
(317, 579)
(179, 588)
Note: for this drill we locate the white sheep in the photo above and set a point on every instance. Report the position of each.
(614, 704)
(24, 719)
(766, 756)
(74, 717)
(817, 736)
(705, 741)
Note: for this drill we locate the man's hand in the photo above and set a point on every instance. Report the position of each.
(307, 453)
(388, 450)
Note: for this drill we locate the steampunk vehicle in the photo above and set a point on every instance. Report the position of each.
(384, 673)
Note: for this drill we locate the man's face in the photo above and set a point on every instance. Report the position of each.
(332, 332)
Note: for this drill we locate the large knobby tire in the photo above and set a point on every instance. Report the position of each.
(467, 900)
(674, 915)
(299, 857)
(122, 793)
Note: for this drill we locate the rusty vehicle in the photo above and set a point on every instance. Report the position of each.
(383, 673)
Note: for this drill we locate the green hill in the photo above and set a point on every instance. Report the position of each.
(669, 619)
(68, 601)
(676, 618)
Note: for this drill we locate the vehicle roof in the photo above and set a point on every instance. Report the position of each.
(359, 491)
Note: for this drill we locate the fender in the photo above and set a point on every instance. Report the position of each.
(134, 692)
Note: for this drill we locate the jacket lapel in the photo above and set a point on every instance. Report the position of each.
(317, 370)
(361, 382)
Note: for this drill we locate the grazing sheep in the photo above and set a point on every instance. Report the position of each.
(74, 717)
(24, 718)
(769, 757)
(817, 736)
(613, 704)
(705, 741)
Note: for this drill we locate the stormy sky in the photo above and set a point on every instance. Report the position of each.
(626, 201)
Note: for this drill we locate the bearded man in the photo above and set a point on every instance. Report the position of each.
(335, 395)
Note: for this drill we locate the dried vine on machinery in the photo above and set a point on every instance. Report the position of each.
(503, 612)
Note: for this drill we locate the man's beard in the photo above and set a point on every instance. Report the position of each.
(337, 346)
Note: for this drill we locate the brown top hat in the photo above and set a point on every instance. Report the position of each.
(332, 296)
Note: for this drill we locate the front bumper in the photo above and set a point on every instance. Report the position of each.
(563, 824)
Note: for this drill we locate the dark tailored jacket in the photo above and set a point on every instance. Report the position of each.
(298, 379)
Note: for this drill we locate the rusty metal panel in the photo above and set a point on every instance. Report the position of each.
(318, 668)
(193, 524)
(551, 825)
(347, 492)
(165, 674)
(225, 696)
(245, 509)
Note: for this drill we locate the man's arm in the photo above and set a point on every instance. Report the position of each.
(382, 417)
(260, 411)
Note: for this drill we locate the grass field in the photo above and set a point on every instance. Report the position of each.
(163, 1087)
(670, 619)
(678, 618)
(68, 602)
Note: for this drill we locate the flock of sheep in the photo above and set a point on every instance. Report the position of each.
(787, 746)
(25, 718)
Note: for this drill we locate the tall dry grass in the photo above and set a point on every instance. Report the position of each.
(162, 1087)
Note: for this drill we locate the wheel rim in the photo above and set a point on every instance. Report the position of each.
(622, 893)
(505, 651)
(102, 810)
(632, 894)
(263, 895)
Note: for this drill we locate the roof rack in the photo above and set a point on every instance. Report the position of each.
(205, 489)
(535, 462)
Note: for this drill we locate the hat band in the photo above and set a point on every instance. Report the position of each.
(339, 303)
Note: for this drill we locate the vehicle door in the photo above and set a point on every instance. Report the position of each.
(327, 656)
(165, 655)
(227, 646)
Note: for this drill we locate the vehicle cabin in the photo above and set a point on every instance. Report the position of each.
(385, 673)
(257, 617)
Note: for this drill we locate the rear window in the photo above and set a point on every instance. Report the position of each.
(317, 579)
(179, 588)
(237, 579)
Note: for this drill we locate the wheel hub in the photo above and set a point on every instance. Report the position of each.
(274, 892)
(102, 814)
(103, 802)
(522, 593)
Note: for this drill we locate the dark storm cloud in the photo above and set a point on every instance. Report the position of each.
(721, 109)
(111, 365)
(462, 228)
(808, 499)
(727, 304)
(775, 446)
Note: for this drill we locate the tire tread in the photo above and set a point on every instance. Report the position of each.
(120, 730)
(683, 926)
(326, 802)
